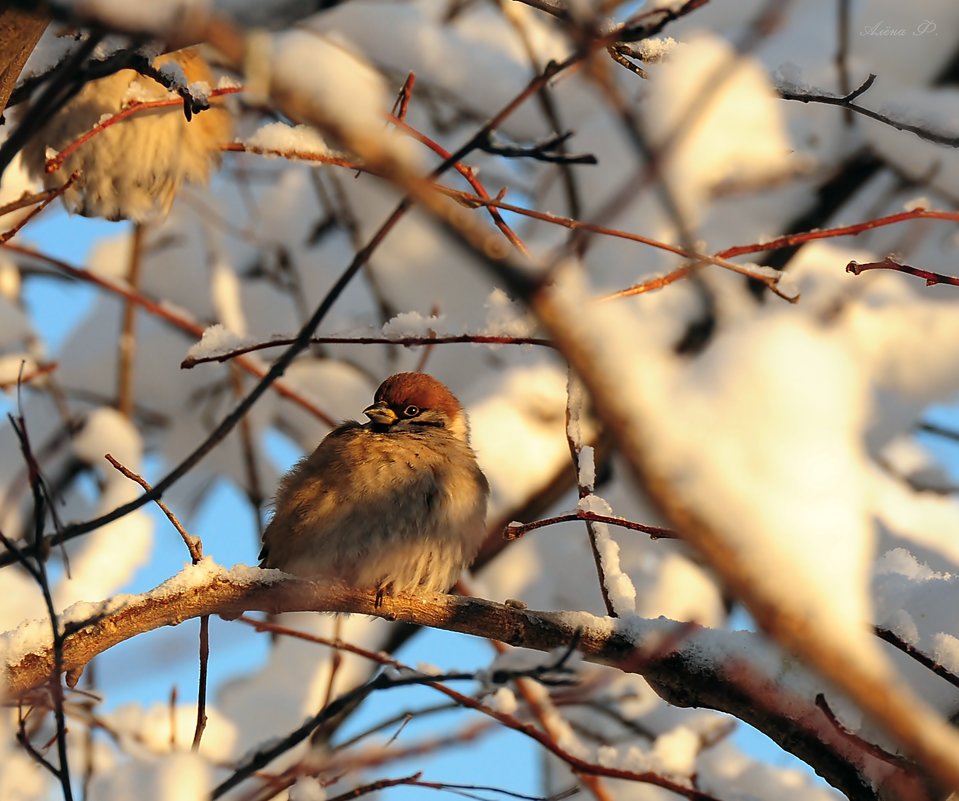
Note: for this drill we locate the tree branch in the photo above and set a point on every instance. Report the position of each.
(687, 665)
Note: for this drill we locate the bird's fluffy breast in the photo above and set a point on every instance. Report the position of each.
(372, 508)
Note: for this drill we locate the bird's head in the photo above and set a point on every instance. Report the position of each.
(416, 401)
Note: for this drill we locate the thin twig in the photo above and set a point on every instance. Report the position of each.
(939, 431)
(48, 198)
(515, 531)
(890, 263)
(621, 55)
(444, 339)
(548, 107)
(39, 573)
(375, 787)
(136, 107)
(547, 151)
(195, 547)
(719, 259)
(202, 682)
(29, 199)
(253, 485)
(428, 350)
(402, 104)
(469, 174)
(23, 737)
(846, 102)
(172, 716)
(789, 240)
(860, 743)
(383, 682)
(571, 223)
(923, 659)
(194, 544)
(90, 762)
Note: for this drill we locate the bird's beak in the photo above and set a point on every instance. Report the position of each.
(381, 414)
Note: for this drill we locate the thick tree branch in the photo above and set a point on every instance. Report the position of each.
(20, 30)
(687, 665)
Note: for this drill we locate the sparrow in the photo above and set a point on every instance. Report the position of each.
(133, 168)
(397, 504)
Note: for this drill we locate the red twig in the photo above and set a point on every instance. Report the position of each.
(470, 176)
(55, 163)
(719, 259)
(48, 198)
(402, 104)
(844, 230)
(579, 765)
(28, 199)
(890, 263)
(164, 312)
(482, 198)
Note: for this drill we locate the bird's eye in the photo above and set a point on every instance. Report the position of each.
(411, 411)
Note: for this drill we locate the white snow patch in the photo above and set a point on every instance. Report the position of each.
(148, 731)
(182, 776)
(619, 587)
(307, 788)
(945, 650)
(503, 700)
(283, 138)
(200, 90)
(9, 279)
(217, 339)
(105, 430)
(336, 88)
(412, 324)
(655, 48)
(507, 318)
(901, 624)
(675, 752)
(587, 467)
(226, 296)
(730, 114)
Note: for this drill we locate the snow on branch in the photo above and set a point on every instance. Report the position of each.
(735, 672)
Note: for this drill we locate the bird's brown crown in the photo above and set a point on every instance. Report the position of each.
(418, 389)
